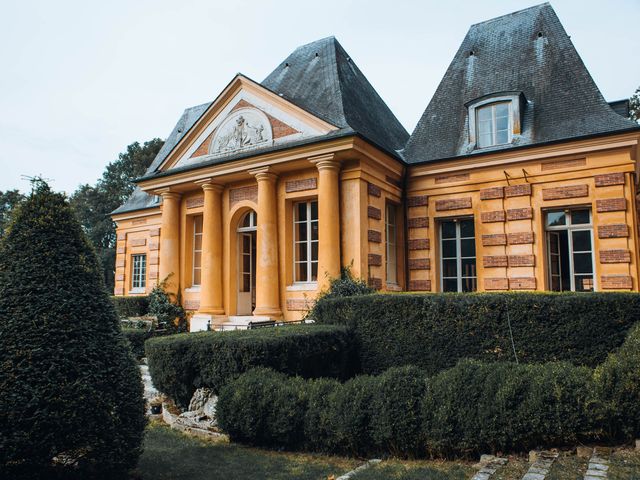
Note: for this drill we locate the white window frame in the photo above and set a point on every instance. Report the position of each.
(309, 243)
(494, 130)
(194, 251)
(569, 227)
(458, 238)
(138, 273)
(391, 250)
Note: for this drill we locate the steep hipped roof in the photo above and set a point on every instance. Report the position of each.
(321, 78)
(526, 51)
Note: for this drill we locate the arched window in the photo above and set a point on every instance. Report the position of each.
(249, 222)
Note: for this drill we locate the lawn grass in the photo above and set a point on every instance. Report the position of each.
(624, 465)
(418, 470)
(172, 455)
(513, 470)
(568, 467)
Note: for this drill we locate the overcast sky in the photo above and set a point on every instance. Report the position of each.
(80, 80)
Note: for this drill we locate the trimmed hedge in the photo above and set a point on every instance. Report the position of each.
(131, 306)
(179, 364)
(136, 338)
(435, 331)
(465, 410)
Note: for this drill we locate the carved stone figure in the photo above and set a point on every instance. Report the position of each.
(246, 131)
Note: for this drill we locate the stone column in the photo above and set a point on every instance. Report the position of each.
(169, 267)
(267, 283)
(211, 281)
(328, 219)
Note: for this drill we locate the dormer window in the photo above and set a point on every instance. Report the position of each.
(494, 124)
(495, 119)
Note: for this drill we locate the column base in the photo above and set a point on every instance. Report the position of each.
(273, 313)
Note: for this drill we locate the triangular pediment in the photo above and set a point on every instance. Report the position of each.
(244, 117)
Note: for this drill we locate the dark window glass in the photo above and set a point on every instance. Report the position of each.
(555, 219)
(468, 247)
(448, 230)
(448, 248)
(581, 241)
(579, 217)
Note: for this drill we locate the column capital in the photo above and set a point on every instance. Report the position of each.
(210, 185)
(167, 193)
(325, 162)
(263, 174)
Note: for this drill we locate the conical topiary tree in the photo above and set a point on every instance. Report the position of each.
(70, 392)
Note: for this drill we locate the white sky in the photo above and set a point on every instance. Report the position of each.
(80, 80)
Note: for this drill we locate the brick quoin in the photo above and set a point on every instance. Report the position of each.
(613, 230)
(615, 256)
(453, 204)
(420, 285)
(154, 232)
(491, 261)
(419, 264)
(419, 244)
(519, 213)
(517, 190)
(374, 190)
(491, 193)
(138, 242)
(608, 179)
(373, 212)
(522, 260)
(496, 284)
(616, 282)
(417, 201)
(418, 222)
(243, 193)
(155, 245)
(568, 191)
(195, 202)
(494, 239)
(494, 216)
(522, 283)
(375, 283)
(298, 304)
(611, 205)
(374, 236)
(375, 260)
(520, 238)
(301, 185)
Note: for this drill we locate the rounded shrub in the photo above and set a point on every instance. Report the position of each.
(71, 400)
(179, 364)
(264, 408)
(618, 389)
(131, 306)
(318, 430)
(396, 425)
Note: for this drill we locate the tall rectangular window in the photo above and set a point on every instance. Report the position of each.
(305, 241)
(493, 123)
(139, 272)
(197, 251)
(458, 255)
(391, 231)
(570, 250)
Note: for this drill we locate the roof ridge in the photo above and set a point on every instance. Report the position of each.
(539, 6)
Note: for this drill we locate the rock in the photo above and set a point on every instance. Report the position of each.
(209, 407)
(584, 452)
(533, 456)
(199, 398)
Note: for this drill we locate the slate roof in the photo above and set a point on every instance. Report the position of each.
(320, 78)
(526, 51)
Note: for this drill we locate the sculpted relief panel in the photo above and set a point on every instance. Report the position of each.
(244, 128)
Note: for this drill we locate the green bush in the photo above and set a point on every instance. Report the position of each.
(136, 338)
(170, 315)
(343, 286)
(126, 307)
(618, 389)
(179, 364)
(434, 331)
(318, 427)
(70, 391)
(475, 407)
(264, 408)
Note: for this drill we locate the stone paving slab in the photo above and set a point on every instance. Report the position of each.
(598, 464)
(489, 466)
(539, 469)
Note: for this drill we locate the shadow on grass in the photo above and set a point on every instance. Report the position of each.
(171, 455)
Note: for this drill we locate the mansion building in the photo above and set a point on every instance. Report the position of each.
(519, 176)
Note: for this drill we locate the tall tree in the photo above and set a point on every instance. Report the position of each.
(94, 203)
(634, 105)
(71, 403)
(8, 201)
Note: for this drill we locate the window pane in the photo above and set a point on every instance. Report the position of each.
(466, 228)
(246, 263)
(469, 284)
(502, 136)
(302, 232)
(314, 231)
(448, 248)
(302, 212)
(197, 259)
(448, 230)
(301, 249)
(450, 285)
(196, 277)
(502, 123)
(314, 251)
(246, 243)
(314, 210)
(582, 263)
(581, 241)
(485, 140)
(468, 267)
(584, 283)
(246, 283)
(579, 217)
(314, 271)
(301, 272)
(502, 109)
(449, 268)
(468, 247)
(555, 219)
(484, 113)
(197, 242)
(197, 224)
(391, 214)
